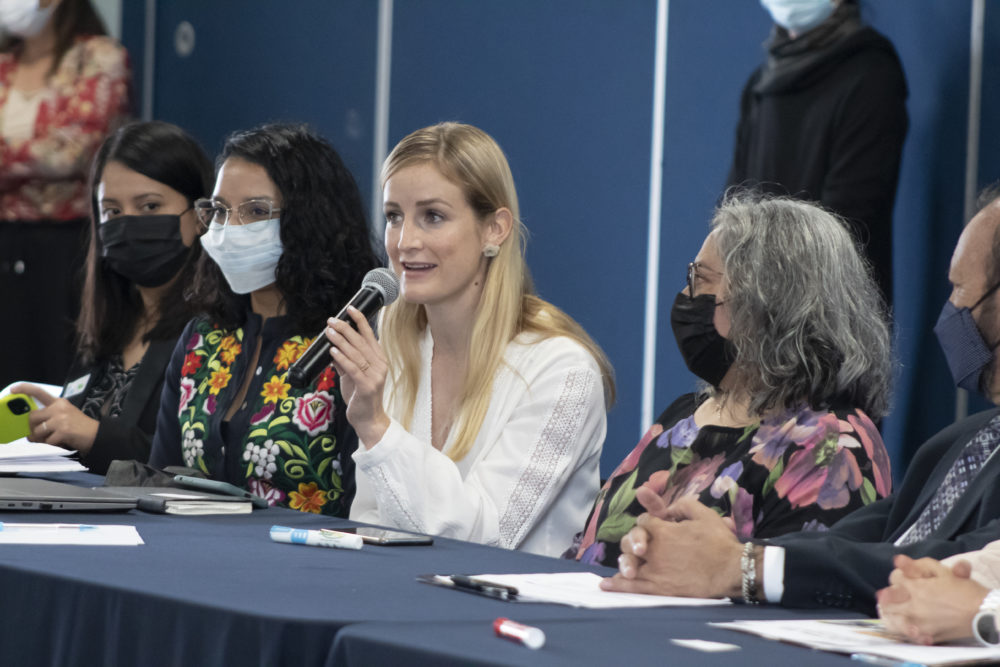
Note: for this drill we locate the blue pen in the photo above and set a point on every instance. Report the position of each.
(869, 659)
(45, 526)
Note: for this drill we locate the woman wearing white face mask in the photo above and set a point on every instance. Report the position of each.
(286, 242)
(824, 119)
(63, 89)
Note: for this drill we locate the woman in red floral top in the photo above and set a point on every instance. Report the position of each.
(64, 86)
(286, 244)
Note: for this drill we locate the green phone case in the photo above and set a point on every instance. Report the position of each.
(14, 409)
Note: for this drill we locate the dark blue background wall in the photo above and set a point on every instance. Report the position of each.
(566, 87)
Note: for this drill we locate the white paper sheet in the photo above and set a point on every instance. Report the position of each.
(66, 533)
(22, 449)
(864, 636)
(581, 589)
(23, 456)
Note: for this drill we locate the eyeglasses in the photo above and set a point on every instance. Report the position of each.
(252, 210)
(692, 274)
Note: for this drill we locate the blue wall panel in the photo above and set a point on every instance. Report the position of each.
(311, 61)
(710, 54)
(932, 39)
(566, 89)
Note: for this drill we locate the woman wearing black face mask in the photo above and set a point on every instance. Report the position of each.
(782, 321)
(143, 248)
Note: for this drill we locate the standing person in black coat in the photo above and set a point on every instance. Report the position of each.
(824, 119)
(139, 265)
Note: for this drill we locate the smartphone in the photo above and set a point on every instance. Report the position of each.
(225, 488)
(14, 409)
(389, 538)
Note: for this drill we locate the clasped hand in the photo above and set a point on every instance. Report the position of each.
(683, 549)
(929, 602)
(362, 367)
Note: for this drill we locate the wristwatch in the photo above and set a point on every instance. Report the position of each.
(984, 625)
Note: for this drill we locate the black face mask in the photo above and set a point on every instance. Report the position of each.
(706, 353)
(146, 249)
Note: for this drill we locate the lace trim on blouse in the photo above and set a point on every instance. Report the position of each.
(555, 441)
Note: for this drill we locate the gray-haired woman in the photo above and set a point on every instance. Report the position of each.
(781, 319)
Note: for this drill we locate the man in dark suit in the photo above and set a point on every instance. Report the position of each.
(948, 502)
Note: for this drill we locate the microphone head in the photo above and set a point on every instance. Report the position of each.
(385, 281)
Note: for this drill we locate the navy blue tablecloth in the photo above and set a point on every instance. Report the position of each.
(215, 590)
(612, 640)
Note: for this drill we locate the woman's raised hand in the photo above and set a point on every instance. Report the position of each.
(362, 367)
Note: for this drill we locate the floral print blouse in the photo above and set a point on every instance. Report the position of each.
(797, 470)
(290, 446)
(44, 177)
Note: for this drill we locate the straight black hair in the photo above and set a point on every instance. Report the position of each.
(110, 306)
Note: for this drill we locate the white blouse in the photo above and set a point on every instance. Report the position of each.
(532, 473)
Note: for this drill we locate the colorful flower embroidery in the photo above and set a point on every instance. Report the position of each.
(263, 415)
(187, 393)
(219, 380)
(309, 498)
(192, 362)
(194, 342)
(192, 447)
(290, 453)
(327, 379)
(287, 354)
(275, 389)
(228, 355)
(262, 458)
(265, 490)
(313, 412)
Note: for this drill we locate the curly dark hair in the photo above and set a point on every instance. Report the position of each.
(110, 305)
(327, 245)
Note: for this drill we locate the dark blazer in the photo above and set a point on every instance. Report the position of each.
(845, 566)
(130, 434)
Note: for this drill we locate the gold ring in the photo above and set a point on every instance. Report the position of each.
(364, 369)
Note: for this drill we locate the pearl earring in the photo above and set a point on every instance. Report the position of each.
(491, 250)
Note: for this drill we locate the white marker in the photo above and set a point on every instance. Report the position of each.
(316, 538)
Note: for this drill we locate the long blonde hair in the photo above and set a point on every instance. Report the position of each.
(471, 159)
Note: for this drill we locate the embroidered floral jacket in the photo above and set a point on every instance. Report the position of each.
(291, 446)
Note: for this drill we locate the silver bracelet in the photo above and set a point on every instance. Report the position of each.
(984, 625)
(748, 566)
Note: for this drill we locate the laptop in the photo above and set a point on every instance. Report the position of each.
(33, 495)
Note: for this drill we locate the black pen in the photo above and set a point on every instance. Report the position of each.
(498, 591)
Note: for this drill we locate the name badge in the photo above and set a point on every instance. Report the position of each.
(76, 386)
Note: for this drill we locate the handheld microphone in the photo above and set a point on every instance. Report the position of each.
(380, 287)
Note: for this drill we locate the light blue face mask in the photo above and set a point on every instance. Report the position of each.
(247, 255)
(799, 16)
